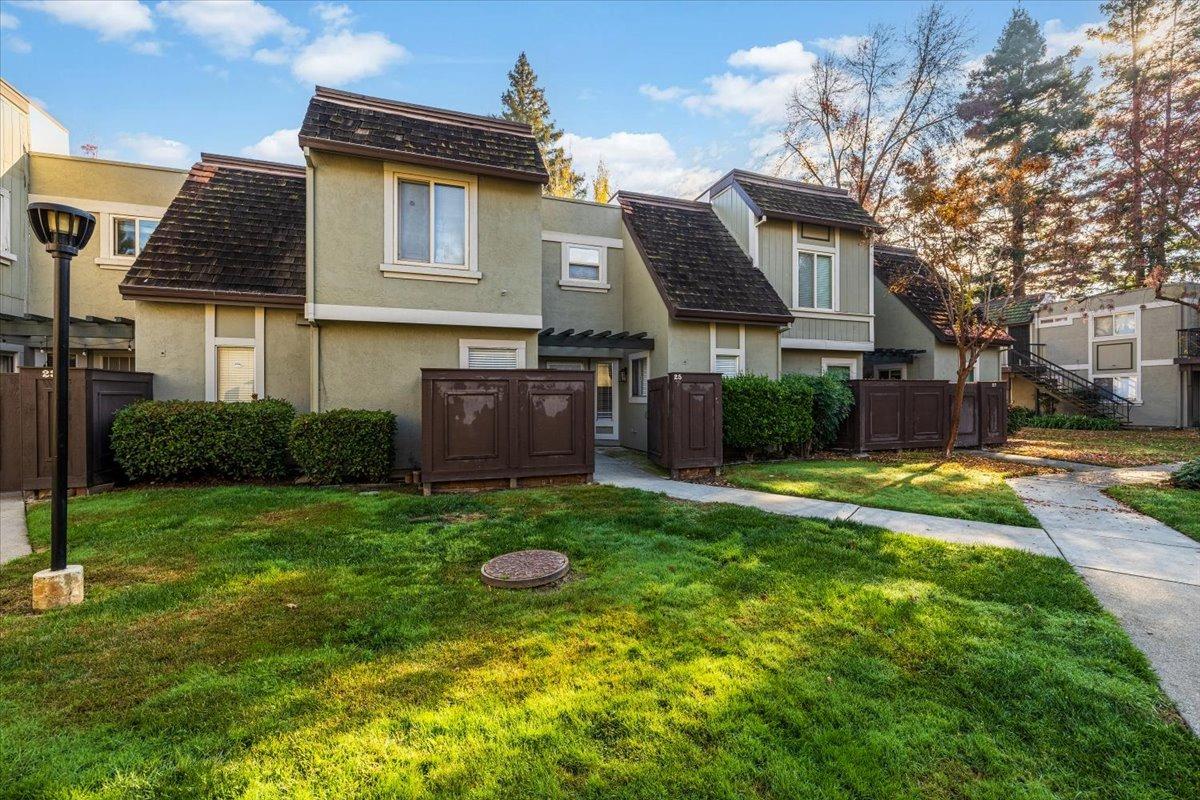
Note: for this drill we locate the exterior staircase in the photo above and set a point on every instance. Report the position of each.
(1063, 385)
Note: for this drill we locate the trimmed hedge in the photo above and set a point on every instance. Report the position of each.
(171, 440)
(1018, 417)
(764, 416)
(1187, 476)
(344, 445)
(833, 401)
(1076, 422)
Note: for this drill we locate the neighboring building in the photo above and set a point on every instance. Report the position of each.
(1140, 348)
(814, 244)
(913, 331)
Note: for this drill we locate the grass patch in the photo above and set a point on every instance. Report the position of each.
(965, 487)
(289, 642)
(1179, 508)
(1106, 448)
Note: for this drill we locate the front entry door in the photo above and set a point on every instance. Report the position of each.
(606, 393)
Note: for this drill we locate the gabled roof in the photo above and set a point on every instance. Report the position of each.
(234, 233)
(698, 267)
(793, 200)
(356, 124)
(1016, 310)
(901, 271)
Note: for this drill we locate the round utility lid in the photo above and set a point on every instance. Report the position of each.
(525, 569)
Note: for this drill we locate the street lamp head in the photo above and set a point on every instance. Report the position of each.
(62, 229)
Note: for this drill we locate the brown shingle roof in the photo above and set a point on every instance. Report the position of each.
(902, 272)
(698, 267)
(792, 200)
(378, 128)
(235, 232)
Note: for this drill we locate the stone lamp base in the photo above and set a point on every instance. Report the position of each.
(56, 588)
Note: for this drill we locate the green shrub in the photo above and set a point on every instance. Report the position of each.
(1077, 422)
(344, 445)
(1018, 417)
(1188, 476)
(832, 403)
(764, 416)
(180, 439)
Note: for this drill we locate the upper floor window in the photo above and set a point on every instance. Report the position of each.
(431, 217)
(639, 374)
(6, 251)
(583, 263)
(815, 277)
(130, 235)
(1122, 324)
(818, 232)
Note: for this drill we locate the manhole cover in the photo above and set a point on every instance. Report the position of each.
(525, 569)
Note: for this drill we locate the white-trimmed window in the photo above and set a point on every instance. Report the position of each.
(235, 373)
(1055, 322)
(727, 366)
(430, 225)
(1123, 323)
(130, 234)
(815, 284)
(235, 366)
(118, 363)
(890, 372)
(639, 377)
(727, 361)
(1121, 385)
(584, 266)
(842, 367)
(491, 354)
(821, 233)
(6, 252)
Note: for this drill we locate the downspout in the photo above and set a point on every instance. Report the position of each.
(310, 283)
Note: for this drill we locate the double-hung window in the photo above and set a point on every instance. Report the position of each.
(583, 263)
(815, 279)
(639, 377)
(6, 251)
(1122, 324)
(1121, 385)
(130, 235)
(432, 222)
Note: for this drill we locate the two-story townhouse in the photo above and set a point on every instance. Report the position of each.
(814, 244)
(1132, 344)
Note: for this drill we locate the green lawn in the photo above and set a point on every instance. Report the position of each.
(1107, 448)
(286, 642)
(1179, 508)
(967, 487)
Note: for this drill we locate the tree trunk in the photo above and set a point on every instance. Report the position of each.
(960, 390)
(1016, 242)
(1136, 132)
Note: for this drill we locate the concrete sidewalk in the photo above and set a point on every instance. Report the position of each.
(1145, 573)
(14, 540)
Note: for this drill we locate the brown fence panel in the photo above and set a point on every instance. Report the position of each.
(684, 421)
(26, 409)
(491, 425)
(903, 415)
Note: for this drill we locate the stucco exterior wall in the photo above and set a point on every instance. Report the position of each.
(170, 343)
(378, 366)
(644, 311)
(808, 362)
(570, 307)
(107, 189)
(286, 357)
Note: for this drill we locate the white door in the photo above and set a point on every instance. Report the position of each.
(606, 400)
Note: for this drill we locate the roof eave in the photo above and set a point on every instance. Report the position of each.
(384, 154)
(711, 315)
(131, 291)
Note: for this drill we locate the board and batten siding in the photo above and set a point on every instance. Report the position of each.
(14, 166)
(732, 210)
(831, 329)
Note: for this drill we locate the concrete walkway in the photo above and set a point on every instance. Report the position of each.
(14, 541)
(1145, 573)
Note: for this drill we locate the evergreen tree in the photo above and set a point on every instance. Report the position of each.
(1023, 109)
(525, 101)
(601, 186)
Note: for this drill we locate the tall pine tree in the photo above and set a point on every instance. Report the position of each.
(1022, 108)
(525, 101)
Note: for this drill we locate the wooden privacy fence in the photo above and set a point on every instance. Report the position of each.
(913, 415)
(26, 410)
(485, 428)
(684, 424)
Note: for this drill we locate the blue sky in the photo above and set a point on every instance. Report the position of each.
(670, 94)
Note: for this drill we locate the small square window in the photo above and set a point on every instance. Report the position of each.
(818, 232)
(1123, 324)
(493, 358)
(728, 366)
(583, 263)
(130, 235)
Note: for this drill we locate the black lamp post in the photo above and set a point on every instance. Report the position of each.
(64, 231)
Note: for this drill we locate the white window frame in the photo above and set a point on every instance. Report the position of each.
(1055, 321)
(1137, 383)
(852, 363)
(1114, 314)
(137, 235)
(815, 248)
(212, 342)
(643, 355)
(392, 265)
(902, 367)
(6, 227)
(565, 280)
(465, 346)
(18, 353)
(714, 351)
(614, 364)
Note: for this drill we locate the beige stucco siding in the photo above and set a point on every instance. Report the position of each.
(349, 244)
(378, 366)
(170, 343)
(107, 189)
(581, 310)
(644, 311)
(286, 357)
(581, 216)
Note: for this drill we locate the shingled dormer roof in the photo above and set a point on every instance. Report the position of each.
(800, 202)
(373, 127)
(234, 233)
(698, 267)
(901, 272)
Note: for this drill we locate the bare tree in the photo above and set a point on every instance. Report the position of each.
(858, 117)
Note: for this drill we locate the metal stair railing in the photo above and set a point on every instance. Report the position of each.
(1069, 387)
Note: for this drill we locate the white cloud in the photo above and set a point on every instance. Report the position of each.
(114, 20)
(278, 146)
(274, 56)
(231, 27)
(841, 45)
(1059, 39)
(344, 57)
(147, 48)
(639, 162)
(668, 94)
(334, 15)
(149, 149)
(8, 22)
(15, 44)
(785, 57)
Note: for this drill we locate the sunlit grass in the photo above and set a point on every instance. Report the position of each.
(966, 487)
(1178, 508)
(1107, 448)
(258, 642)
